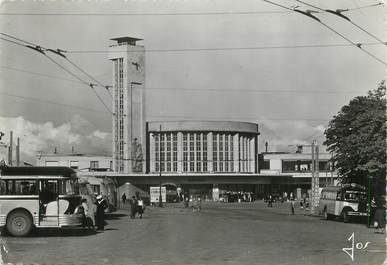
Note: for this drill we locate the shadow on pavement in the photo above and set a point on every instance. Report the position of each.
(114, 216)
(57, 232)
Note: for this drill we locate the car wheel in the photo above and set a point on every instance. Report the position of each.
(19, 223)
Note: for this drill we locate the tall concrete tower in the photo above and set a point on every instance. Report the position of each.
(128, 105)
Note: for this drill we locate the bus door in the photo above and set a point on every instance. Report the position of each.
(49, 203)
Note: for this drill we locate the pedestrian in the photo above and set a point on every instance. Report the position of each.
(100, 214)
(87, 219)
(186, 201)
(380, 219)
(123, 197)
(140, 207)
(133, 207)
(270, 201)
(292, 206)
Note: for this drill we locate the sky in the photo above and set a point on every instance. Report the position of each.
(205, 60)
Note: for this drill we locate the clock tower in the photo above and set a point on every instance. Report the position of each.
(128, 105)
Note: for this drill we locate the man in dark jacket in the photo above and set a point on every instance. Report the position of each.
(133, 207)
(100, 214)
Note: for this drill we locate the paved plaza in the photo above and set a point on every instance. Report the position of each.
(246, 233)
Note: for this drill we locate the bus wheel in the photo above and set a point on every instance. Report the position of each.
(19, 223)
(346, 217)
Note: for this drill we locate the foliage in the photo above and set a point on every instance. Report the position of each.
(356, 136)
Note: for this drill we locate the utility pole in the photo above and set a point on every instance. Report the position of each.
(10, 155)
(18, 152)
(315, 179)
(160, 196)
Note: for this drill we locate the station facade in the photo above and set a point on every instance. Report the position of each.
(200, 157)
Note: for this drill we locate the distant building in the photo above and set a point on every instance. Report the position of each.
(82, 162)
(298, 165)
(203, 158)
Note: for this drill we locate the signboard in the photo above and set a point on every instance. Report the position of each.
(155, 194)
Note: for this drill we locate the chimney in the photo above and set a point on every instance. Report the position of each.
(266, 145)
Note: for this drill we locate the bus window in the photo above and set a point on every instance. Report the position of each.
(68, 186)
(18, 187)
(355, 196)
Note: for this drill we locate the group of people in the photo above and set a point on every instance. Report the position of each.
(136, 204)
(93, 212)
(234, 196)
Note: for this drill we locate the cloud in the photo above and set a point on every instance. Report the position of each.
(78, 133)
(286, 135)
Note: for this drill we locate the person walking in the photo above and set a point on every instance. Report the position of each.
(380, 219)
(140, 207)
(133, 207)
(292, 206)
(100, 214)
(270, 201)
(123, 197)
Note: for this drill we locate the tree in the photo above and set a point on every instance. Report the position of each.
(356, 136)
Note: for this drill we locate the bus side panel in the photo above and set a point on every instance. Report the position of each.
(329, 204)
(338, 207)
(9, 203)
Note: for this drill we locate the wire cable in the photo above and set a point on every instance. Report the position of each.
(81, 80)
(167, 14)
(328, 27)
(91, 77)
(182, 89)
(12, 37)
(58, 52)
(338, 13)
(363, 7)
(51, 102)
(39, 74)
(230, 48)
(42, 51)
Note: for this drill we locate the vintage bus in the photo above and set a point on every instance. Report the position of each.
(344, 201)
(38, 197)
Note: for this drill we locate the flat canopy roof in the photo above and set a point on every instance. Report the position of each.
(126, 39)
(34, 171)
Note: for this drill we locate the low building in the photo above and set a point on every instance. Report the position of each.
(298, 165)
(83, 162)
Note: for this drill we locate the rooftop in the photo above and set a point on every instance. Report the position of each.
(126, 40)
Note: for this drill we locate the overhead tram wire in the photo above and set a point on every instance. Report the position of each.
(183, 89)
(338, 12)
(57, 52)
(220, 13)
(328, 27)
(80, 79)
(42, 50)
(91, 77)
(363, 7)
(52, 102)
(38, 74)
(231, 48)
